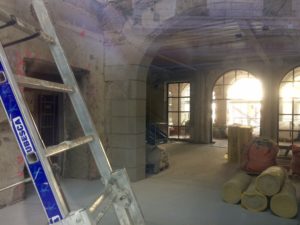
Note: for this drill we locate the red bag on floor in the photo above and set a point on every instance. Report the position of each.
(295, 163)
(259, 154)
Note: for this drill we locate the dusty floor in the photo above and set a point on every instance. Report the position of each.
(188, 193)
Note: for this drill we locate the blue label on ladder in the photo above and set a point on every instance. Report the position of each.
(29, 152)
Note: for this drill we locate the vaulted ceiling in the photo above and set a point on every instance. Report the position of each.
(192, 42)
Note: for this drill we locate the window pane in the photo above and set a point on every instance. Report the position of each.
(229, 77)
(226, 88)
(184, 90)
(173, 119)
(285, 137)
(296, 123)
(289, 76)
(286, 90)
(285, 106)
(184, 132)
(173, 104)
(296, 90)
(296, 106)
(297, 74)
(218, 92)
(241, 74)
(173, 132)
(285, 122)
(220, 109)
(184, 119)
(173, 90)
(220, 81)
(185, 104)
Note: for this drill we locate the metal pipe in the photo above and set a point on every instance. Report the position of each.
(28, 38)
(16, 184)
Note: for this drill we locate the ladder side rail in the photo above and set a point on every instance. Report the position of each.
(23, 26)
(121, 213)
(76, 98)
(133, 208)
(39, 168)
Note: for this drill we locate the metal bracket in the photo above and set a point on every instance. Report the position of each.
(79, 217)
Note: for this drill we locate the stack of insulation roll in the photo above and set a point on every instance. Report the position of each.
(271, 188)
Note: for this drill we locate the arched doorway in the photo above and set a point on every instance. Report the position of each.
(237, 97)
(289, 109)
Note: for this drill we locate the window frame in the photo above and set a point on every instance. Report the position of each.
(179, 112)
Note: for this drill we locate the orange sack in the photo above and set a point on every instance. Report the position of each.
(259, 154)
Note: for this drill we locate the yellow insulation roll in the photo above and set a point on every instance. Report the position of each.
(233, 189)
(284, 204)
(270, 181)
(254, 200)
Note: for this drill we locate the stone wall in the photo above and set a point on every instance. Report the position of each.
(113, 42)
(11, 166)
(82, 41)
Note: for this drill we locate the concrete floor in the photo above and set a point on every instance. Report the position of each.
(188, 193)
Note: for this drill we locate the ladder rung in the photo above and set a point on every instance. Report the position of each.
(102, 204)
(16, 184)
(27, 28)
(9, 23)
(43, 84)
(67, 145)
(28, 38)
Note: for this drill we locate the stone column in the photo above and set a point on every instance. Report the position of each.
(201, 114)
(125, 113)
(269, 111)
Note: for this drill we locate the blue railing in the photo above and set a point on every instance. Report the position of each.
(155, 134)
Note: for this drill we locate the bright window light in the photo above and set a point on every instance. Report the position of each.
(246, 89)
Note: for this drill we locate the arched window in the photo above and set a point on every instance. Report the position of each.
(289, 109)
(237, 99)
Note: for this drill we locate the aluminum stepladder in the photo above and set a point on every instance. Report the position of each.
(117, 193)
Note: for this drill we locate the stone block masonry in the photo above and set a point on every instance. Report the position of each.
(11, 166)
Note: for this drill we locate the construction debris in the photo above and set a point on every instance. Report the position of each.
(157, 159)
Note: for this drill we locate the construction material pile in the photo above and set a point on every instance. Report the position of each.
(271, 188)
